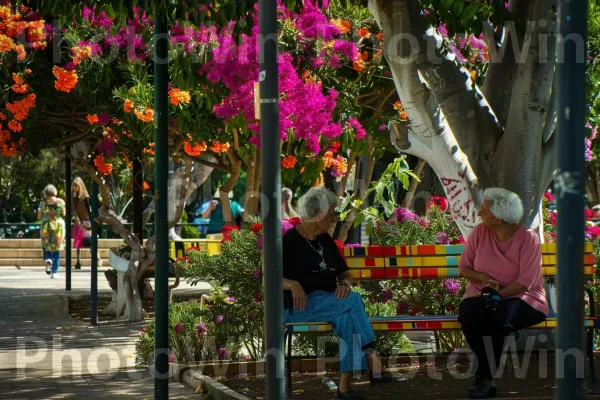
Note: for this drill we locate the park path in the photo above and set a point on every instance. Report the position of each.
(45, 354)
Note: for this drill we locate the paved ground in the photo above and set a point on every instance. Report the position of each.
(45, 354)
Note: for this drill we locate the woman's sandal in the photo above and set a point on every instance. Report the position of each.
(349, 395)
(384, 377)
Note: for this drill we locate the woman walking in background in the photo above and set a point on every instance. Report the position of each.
(287, 211)
(51, 214)
(81, 207)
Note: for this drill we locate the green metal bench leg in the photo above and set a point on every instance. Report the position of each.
(590, 351)
(590, 335)
(290, 392)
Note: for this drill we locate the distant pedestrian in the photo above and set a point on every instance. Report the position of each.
(82, 226)
(51, 214)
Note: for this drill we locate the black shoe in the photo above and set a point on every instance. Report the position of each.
(483, 390)
(48, 267)
(475, 382)
(349, 395)
(384, 377)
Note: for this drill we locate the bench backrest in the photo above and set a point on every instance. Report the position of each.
(178, 248)
(431, 261)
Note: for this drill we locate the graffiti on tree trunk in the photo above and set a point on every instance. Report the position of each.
(460, 200)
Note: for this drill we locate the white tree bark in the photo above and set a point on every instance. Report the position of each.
(454, 127)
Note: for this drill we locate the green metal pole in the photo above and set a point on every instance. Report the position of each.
(138, 195)
(161, 223)
(271, 188)
(94, 260)
(570, 188)
(68, 222)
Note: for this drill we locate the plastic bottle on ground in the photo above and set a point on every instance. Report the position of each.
(330, 384)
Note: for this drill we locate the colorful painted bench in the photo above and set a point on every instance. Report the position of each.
(429, 262)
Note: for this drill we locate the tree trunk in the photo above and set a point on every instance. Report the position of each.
(414, 183)
(252, 184)
(453, 126)
(343, 235)
(250, 188)
(236, 170)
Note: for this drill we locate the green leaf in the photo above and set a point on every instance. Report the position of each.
(448, 3)
(357, 203)
(458, 8)
(359, 219)
(469, 13)
(404, 180)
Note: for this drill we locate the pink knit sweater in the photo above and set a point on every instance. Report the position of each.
(517, 259)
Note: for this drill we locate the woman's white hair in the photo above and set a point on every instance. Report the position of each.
(50, 191)
(316, 200)
(504, 204)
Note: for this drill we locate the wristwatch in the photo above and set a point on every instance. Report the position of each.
(344, 283)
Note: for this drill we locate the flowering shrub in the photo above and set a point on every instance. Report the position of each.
(190, 339)
(420, 297)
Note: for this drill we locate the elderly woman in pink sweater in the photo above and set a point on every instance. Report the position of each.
(504, 256)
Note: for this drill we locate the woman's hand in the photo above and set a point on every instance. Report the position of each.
(343, 290)
(299, 297)
(487, 280)
(493, 284)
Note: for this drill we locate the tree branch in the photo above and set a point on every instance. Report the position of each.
(531, 101)
(109, 217)
(210, 164)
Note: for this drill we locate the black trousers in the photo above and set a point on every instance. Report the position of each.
(479, 323)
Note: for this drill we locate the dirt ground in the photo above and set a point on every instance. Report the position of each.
(80, 308)
(421, 379)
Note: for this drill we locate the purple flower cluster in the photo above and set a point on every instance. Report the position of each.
(178, 328)
(452, 286)
(222, 352)
(346, 49)
(359, 131)
(442, 238)
(106, 147)
(201, 329)
(304, 107)
(404, 214)
(100, 20)
(314, 24)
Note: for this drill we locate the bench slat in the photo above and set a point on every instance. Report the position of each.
(424, 250)
(431, 273)
(425, 323)
(434, 261)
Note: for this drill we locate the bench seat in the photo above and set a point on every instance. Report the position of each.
(417, 323)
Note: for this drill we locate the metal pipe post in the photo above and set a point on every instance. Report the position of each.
(68, 224)
(271, 188)
(94, 260)
(161, 223)
(570, 189)
(138, 199)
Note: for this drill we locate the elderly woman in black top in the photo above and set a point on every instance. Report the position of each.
(318, 287)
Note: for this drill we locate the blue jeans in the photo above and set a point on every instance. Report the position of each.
(349, 320)
(55, 257)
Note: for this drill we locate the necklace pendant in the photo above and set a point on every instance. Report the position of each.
(323, 265)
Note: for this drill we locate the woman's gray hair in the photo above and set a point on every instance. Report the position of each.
(504, 204)
(50, 191)
(317, 199)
